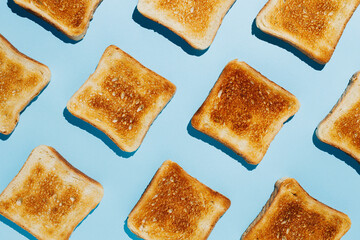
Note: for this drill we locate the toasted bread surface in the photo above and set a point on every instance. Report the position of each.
(340, 128)
(21, 80)
(176, 206)
(195, 21)
(72, 17)
(49, 197)
(313, 26)
(292, 214)
(245, 111)
(122, 98)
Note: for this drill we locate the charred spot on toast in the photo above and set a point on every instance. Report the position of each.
(174, 205)
(246, 105)
(346, 127)
(195, 16)
(44, 196)
(70, 12)
(125, 96)
(308, 19)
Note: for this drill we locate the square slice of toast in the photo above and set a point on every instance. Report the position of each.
(292, 214)
(196, 22)
(313, 26)
(176, 206)
(341, 127)
(49, 197)
(72, 17)
(21, 80)
(121, 98)
(245, 111)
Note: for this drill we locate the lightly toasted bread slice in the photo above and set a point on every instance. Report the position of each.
(176, 206)
(72, 17)
(292, 214)
(122, 98)
(313, 26)
(245, 111)
(49, 197)
(21, 80)
(197, 22)
(341, 127)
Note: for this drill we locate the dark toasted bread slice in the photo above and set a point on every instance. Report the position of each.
(122, 98)
(72, 17)
(313, 26)
(195, 21)
(49, 197)
(21, 80)
(245, 111)
(292, 214)
(340, 128)
(176, 206)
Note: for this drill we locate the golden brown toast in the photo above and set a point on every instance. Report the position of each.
(176, 206)
(312, 26)
(195, 21)
(340, 128)
(245, 111)
(72, 17)
(292, 214)
(21, 80)
(122, 98)
(49, 197)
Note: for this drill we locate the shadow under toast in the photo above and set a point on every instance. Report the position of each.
(336, 152)
(17, 228)
(25, 14)
(97, 133)
(129, 233)
(164, 31)
(280, 43)
(201, 136)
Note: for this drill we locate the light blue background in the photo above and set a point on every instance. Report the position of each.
(326, 173)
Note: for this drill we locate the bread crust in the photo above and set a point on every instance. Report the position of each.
(121, 98)
(29, 213)
(304, 217)
(234, 111)
(314, 27)
(176, 206)
(23, 79)
(196, 22)
(80, 17)
(339, 128)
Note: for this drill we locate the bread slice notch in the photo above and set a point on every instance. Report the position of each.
(176, 206)
(196, 22)
(314, 26)
(69, 16)
(49, 197)
(121, 98)
(245, 111)
(292, 214)
(340, 128)
(21, 80)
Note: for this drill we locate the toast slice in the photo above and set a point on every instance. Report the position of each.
(292, 214)
(196, 22)
(176, 206)
(49, 197)
(340, 128)
(245, 111)
(314, 26)
(69, 16)
(21, 80)
(122, 98)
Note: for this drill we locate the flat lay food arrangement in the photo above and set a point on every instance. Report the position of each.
(183, 119)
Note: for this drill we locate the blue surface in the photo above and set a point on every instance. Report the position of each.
(326, 173)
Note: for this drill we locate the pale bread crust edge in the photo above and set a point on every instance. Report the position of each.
(46, 79)
(75, 34)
